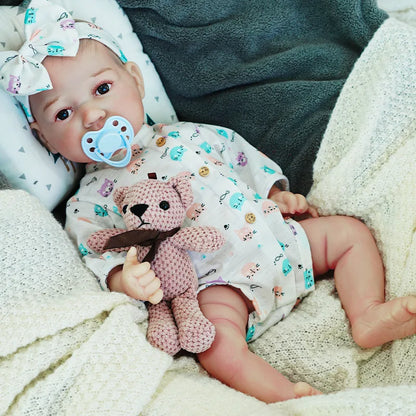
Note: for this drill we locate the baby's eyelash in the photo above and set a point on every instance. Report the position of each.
(63, 114)
(100, 84)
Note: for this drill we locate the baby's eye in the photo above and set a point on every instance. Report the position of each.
(103, 89)
(64, 114)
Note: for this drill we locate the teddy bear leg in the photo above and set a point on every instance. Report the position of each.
(196, 332)
(162, 331)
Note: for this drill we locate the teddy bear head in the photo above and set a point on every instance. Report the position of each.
(153, 204)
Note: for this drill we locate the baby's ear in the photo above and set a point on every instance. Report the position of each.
(118, 196)
(133, 69)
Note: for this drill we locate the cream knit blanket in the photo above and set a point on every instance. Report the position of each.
(67, 348)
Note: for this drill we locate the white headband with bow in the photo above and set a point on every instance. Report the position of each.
(49, 31)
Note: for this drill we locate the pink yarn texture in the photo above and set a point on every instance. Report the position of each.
(176, 322)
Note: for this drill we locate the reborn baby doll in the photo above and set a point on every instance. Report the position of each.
(269, 260)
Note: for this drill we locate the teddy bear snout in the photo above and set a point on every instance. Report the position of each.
(139, 209)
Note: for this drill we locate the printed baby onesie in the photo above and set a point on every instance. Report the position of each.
(266, 256)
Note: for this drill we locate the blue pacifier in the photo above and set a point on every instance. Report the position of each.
(101, 145)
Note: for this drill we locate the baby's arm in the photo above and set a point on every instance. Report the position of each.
(290, 203)
(135, 279)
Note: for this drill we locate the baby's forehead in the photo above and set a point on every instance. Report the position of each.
(94, 48)
(91, 44)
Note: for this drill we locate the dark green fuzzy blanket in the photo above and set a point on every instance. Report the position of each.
(270, 69)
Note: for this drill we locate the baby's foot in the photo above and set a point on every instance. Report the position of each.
(303, 389)
(386, 322)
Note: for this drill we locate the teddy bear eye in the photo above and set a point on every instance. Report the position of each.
(164, 205)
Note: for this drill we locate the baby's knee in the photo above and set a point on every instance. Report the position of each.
(352, 229)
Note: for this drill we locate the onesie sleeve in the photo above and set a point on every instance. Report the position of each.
(250, 165)
(84, 218)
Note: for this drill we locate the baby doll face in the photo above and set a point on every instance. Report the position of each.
(87, 89)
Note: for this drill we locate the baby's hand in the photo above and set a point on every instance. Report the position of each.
(294, 204)
(138, 280)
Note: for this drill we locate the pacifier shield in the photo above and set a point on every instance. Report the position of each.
(101, 145)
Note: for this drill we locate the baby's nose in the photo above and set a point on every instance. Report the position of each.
(94, 118)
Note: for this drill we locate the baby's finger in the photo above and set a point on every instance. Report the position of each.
(302, 203)
(293, 202)
(156, 297)
(151, 288)
(313, 211)
(131, 256)
(146, 278)
(292, 205)
(131, 259)
(133, 288)
(133, 266)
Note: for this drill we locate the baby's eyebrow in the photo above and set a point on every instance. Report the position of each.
(49, 103)
(99, 72)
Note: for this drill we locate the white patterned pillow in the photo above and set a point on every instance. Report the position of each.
(24, 161)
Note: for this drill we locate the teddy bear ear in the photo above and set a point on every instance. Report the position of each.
(118, 196)
(182, 185)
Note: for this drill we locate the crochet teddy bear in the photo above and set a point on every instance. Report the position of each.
(153, 212)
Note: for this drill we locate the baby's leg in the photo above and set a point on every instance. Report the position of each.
(345, 245)
(229, 359)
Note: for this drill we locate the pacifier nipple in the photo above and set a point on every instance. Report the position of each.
(115, 136)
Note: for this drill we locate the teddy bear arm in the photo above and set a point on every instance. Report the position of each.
(200, 239)
(97, 240)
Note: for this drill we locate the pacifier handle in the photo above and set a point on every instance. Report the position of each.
(100, 145)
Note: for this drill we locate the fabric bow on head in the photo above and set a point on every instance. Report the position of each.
(49, 31)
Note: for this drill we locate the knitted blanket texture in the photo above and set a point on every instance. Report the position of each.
(68, 348)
